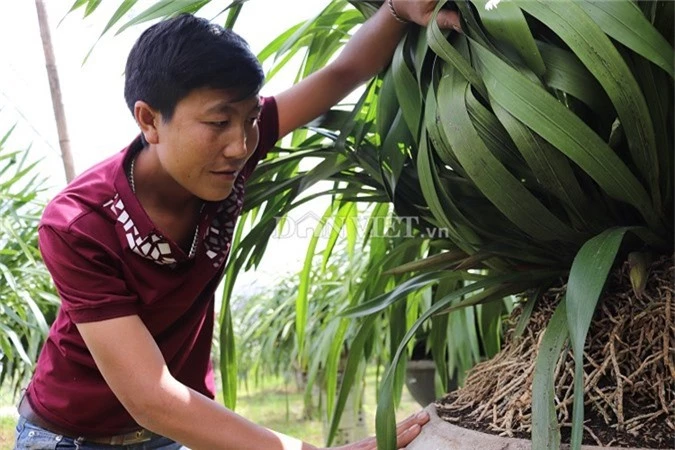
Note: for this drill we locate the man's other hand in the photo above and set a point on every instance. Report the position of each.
(406, 431)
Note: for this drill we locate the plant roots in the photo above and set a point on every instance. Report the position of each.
(628, 363)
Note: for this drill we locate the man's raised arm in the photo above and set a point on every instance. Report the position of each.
(365, 55)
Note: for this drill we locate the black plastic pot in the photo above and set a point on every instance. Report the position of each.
(419, 379)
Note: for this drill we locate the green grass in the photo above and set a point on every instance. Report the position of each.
(279, 406)
(7, 425)
(276, 405)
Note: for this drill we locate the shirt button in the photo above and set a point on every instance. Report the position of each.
(58, 438)
(31, 433)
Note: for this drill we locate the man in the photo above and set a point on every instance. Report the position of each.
(137, 245)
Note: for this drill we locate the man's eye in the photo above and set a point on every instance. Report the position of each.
(221, 123)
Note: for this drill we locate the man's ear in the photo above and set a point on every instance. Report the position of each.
(147, 119)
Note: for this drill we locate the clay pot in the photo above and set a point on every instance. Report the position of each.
(441, 435)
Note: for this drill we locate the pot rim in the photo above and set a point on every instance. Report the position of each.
(438, 434)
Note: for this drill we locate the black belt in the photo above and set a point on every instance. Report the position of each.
(133, 437)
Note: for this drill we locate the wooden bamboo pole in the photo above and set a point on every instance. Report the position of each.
(55, 88)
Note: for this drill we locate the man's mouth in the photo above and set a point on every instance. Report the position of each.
(227, 173)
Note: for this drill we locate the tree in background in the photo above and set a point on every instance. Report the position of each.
(55, 89)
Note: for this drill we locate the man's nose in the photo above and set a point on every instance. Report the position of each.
(237, 145)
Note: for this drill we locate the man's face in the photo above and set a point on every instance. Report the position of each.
(208, 140)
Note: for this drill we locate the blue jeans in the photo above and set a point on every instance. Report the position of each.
(31, 437)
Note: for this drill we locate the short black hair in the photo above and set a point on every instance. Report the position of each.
(178, 55)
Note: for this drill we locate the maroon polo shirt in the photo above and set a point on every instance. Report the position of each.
(109, 260)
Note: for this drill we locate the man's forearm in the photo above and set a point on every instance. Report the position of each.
(197, 422)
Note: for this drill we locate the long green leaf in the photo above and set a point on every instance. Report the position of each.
(124, 7)
(587, 40)
(434, 262)
(489, 320)
(586, 282)
(566, 73)
(273, 47)
(234, 10)
(533, 106)
(432, 195)
(228, 360)
(432, 122)
(551, 168)
(464, 231)
(346, 215)
(302, 300)
(407, 90)
(401, 291)
(488, 289)
(441, 349)
(16, 342)
(397, 320)
(623, 21)
(526, 313)
(4, 139)
(496, 139)
(499, 186)
(91, 7)
(505, 21)
(329, 15)
(545, 430)
(354, 357)
(78, 4)
(658, 90)
(394, 153)
(38, 315)
(448, 53)
(335, 334)
(164, 8)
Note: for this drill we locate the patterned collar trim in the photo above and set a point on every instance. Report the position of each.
(143, 238)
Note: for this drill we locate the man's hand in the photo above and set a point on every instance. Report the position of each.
(420, 12)
(406, 431)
